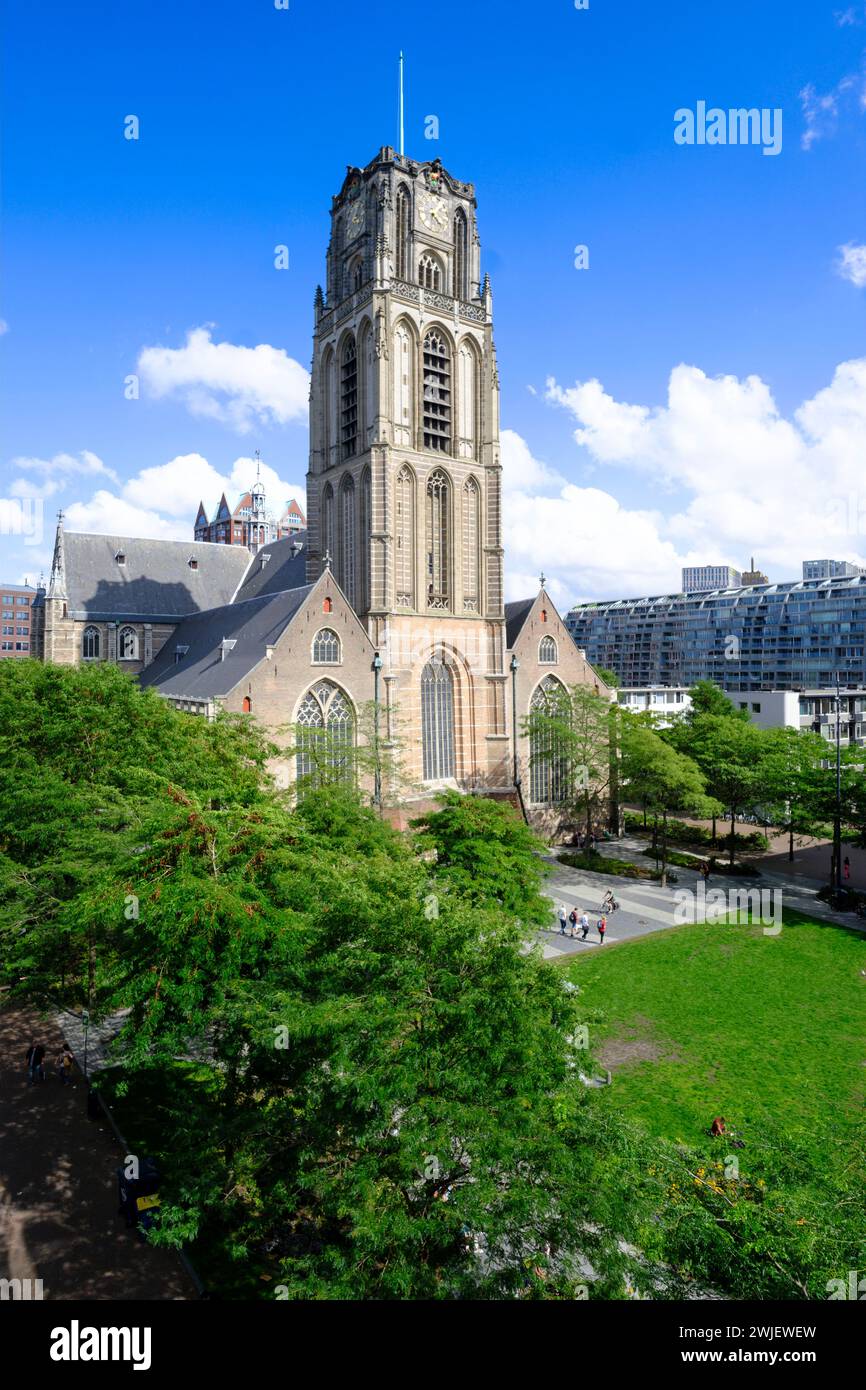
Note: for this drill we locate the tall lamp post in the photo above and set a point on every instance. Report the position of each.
(837, 820)
(514, 668)
(377, 765)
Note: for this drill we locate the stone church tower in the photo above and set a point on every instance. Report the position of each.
(404, 480)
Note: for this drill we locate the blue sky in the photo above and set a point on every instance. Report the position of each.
(720, 259)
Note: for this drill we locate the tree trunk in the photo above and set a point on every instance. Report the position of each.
(790, 844)
(714, 830)
(733, 832)
(664, 847)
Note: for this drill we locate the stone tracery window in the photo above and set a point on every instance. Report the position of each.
(437, 393)
(349, 399)
(404, 538)
(127, 644)
(461, 261)
(437, 721)
(547, 650)
(90, 644)
(438, 537)
(401, 259)
(429, 273)
(346, 570)
(471, 546)
(326, 646)
(325, 736)
(328, 537)
(548, 767)
(365, 521)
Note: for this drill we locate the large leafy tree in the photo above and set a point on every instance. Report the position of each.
(486, 851)
(661, 780)
(570, 735)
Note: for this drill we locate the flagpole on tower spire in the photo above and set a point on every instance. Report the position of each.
(401, 103)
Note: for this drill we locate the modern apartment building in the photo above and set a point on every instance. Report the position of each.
(800, 635)
(830, 569)
(813, 710)
(15, 601)
(703, 578)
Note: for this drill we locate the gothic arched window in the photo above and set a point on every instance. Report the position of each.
(349, 399)
(438, 536)
(365, 520)
(403, 379)
(247, 705)
(548, 766)
(346, 570)
(471, 546)
(547, 650)
(437, 721)
(325, 736)
(356, 274)
(404, 538)
(127, 644)
(90, 644)
(466, 391)
(326, 646)
(329, 374)
(429, 273)
(437, 393)
(461, 261)
(401, 259)
(328, 537)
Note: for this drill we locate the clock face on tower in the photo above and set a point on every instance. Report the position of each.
(433, 211)
(355, 220)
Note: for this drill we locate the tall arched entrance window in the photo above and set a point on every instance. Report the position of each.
(437, 721)
(548, 766)
(325, 736)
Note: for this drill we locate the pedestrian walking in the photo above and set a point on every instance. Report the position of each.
(705, 871)
(584, 926)
(65, 1062)
(563, 918)
(573, 918)
(35, 1063)
(602, 928)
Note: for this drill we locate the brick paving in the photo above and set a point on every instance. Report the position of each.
(58, 1193)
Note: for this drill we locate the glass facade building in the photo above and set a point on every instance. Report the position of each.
(790, 636)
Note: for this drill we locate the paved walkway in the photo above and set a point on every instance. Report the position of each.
(58, 1193)
(647, 907)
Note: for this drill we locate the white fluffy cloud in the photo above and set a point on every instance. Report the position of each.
(239, 386)
(737, 477)
(852, 263)
(44, 477)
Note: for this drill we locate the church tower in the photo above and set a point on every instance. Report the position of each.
(404, 480)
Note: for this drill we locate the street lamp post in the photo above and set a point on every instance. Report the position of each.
(514, 667)
(837, 821)
(377, 765)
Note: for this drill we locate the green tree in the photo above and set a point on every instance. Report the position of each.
(570, 739)
(488, 853)
(660, 779)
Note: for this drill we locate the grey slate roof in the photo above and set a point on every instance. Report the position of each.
(155, 582)
(285, 569)
(515, 616)
(201, 674)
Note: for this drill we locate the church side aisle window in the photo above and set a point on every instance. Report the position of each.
(90, 644)
(548, 768)
(127, 644)
(437, 721)
(547, 651)
(437, 393)
(325, 737)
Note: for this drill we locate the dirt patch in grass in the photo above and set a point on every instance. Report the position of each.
(621, 1052)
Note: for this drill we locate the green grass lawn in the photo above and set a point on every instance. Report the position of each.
(712, 1020)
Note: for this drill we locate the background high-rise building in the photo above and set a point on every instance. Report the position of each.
(703, 578)
(830, 569)
(794, 636)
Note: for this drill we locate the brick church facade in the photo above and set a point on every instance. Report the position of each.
(394, 594)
